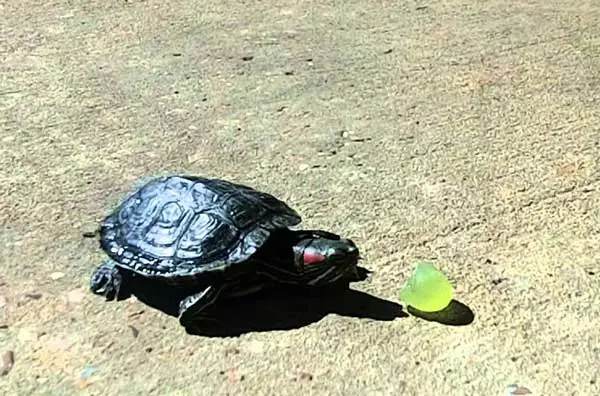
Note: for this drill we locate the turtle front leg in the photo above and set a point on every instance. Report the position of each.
(192, 307)
(107, 281)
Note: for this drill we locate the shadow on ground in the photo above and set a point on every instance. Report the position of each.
(455, 314)
(282, 308)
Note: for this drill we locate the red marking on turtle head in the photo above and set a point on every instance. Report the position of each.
(312, 257)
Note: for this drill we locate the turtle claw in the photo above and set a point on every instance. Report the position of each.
(107, 281)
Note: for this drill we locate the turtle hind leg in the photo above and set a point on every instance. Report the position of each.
(192, 308)
(107, 281)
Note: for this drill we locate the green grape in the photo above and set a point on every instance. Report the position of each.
(427, 290)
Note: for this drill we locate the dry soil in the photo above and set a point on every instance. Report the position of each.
(462, 132)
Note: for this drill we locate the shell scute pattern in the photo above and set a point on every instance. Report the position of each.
(208, 239)
(154, 222)
(252, 204)
(180, 226)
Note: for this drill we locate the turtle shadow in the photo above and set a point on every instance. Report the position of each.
(281, 308)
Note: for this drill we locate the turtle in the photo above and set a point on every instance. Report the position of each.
(212, 238)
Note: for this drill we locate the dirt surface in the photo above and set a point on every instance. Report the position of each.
(461, 132)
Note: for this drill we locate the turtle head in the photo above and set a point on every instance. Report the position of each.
(323, 258)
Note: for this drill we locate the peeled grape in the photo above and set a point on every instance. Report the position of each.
(428, 289)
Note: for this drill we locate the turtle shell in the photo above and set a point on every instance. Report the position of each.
(182, 226)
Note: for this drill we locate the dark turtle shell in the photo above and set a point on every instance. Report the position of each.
(181, 226)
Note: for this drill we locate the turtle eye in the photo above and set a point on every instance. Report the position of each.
(313, 258)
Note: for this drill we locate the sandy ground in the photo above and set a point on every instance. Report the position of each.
(461, 132)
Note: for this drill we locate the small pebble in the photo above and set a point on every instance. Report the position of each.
(31, 296)
(516, 390)
(8, 361)
(305, 377)
(83, 384)
(231, 351)
(57, 275)
(87, 372)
